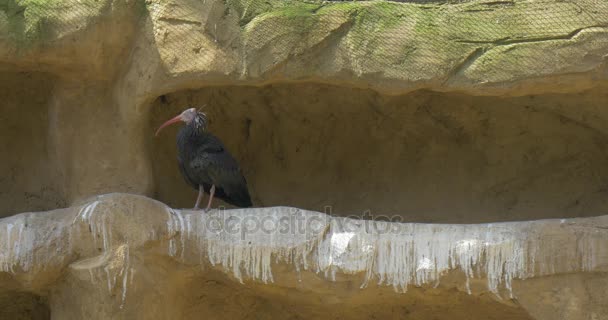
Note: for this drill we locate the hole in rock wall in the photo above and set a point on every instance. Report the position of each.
(424, 156)
(27, 175)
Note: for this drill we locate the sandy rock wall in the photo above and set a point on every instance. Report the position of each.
(31, 177)
(468, 112)
(102, 64)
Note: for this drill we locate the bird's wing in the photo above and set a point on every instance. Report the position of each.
(185, 174)
(224, 172)
(194, 159)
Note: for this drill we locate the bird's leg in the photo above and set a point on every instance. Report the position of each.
(201, 193)
(211, 193)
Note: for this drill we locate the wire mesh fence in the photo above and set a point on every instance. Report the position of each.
(417, 39)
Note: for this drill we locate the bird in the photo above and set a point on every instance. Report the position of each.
(206, 164)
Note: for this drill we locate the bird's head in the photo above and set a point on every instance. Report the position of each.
(191, 116)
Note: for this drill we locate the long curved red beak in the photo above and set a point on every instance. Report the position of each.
(168, 123)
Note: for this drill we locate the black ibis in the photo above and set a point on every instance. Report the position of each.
(206, 164)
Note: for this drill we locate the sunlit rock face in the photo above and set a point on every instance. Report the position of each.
(121, 256)
(470, 113)
(496, 108)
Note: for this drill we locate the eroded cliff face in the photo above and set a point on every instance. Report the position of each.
(469, 112)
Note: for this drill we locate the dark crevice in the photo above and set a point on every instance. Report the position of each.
(508, 41)
(498, 3)
(175, 21)
(315, 10)
(466, 63)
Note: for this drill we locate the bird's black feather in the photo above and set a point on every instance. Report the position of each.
(203, 160)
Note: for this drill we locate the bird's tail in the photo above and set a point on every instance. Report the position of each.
(243, 199)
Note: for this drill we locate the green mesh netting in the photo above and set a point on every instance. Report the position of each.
(424, 39)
